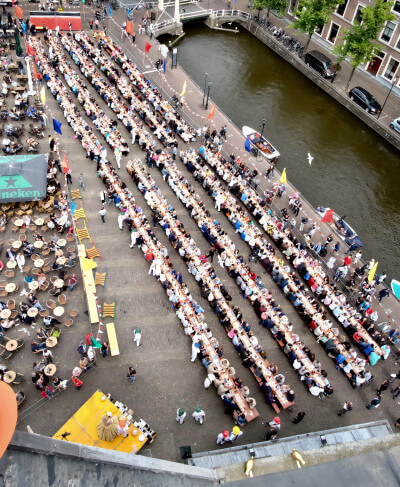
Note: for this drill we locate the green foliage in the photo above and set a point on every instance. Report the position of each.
(312, 13)
(277, 5)
(359, 41)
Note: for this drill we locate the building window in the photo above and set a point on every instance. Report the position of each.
(388, 31)
(319, 28)
(391, 69)
(396, 6)
(357, 16)
(398, 44)
(341, 8)
(292, 6)
(333, 33)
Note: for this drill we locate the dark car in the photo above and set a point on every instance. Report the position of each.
(320, 63)
(364, 98)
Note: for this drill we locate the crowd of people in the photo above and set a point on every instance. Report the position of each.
(187, 309)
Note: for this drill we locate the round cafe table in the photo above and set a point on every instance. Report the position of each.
(39, 263)
(32, 312)
(11, 345)
(19, 222)
(17, 244)
(58, 311)
(39, 221)
(61, 260)
(51, 342)
(5, 313)
(10, 287)
(61, 242)
(10, 376)
(50, 370)
(11, 264)
(33, 285)
(58, 283)
(38, 244)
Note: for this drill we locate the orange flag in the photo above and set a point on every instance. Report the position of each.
(18, 12)
(129, 27)
(211, 114)
(65, 165)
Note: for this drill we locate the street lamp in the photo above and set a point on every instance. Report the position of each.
(208, 94)
(387, 96)
(205, 88)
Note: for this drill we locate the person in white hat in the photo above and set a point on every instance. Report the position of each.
(195, 350)
(180, 415)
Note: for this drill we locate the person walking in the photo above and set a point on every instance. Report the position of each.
(375, 403)
(396, 392)
(275, 423)
(195, 350)
(72, 282)
(69, 177)
(131, 375)
(383, 387)
(121, 219)
(102, 214)
(134, 234)
(199, 415)
(174, 152)
(299, 417)
(347, 406)
(77, 383)
(118, 157)
(180, 415)
(82, 181)
(222, 437)
(103, 196)
(105, 349)
(235, 434)
(383, 293)
(137, 336)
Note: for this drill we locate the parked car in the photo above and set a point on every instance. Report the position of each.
(395, 125)
(320, 63)
(364, 98)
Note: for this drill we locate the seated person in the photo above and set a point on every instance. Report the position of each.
(38, 347)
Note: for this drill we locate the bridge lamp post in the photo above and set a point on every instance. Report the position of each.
(205, 88)
(395, 79)
(262, 127)
(208, 94)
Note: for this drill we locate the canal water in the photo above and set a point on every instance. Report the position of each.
(354, 171)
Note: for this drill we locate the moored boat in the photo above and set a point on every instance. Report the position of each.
(342, 228)
(260, 144)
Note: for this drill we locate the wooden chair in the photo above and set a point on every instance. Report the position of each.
(44, 286)
(68, 322)
(3, 293)
(92, 253)
(44, 313)
(71, 250)
(45, 252)
(46, 268)
(14, 314)
(3, 284)
(62, 299)
(11, 304)
(34, 257)
(26, 269)
(18, 379)
(70, 237)
(51, 304)
(53, 279)
(35, 271)
(100, 279)
(74, 313)
(108, 309)
(9, 274)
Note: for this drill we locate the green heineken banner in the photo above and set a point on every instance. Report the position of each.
(23, 178)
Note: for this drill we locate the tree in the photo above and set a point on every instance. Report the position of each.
(358, 42)
(314, 13)
(277, 5)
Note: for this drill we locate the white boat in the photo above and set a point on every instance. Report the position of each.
(260, 144)
(342, 228)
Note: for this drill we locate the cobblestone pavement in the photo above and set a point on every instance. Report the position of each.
(166, 379)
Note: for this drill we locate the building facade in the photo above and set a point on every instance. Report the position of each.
(385, 66)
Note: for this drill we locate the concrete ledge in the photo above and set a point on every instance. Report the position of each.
(319, 456)
(48, 446)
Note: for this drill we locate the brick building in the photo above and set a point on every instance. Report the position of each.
(385, 66)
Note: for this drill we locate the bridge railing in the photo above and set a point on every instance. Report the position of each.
(163, 25)
(231, 13)
(197, 13)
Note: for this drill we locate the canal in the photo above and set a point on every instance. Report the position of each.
(354, 171)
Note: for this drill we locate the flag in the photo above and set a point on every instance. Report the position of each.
(129, 27)
(211, 114)
(371, 273)
(327, 218)
(18, 50)
(247, 145)
(94, 343)
(147, 46)
(83, 2)
(23, 27)
(73, 207)
(109, 10)
(30, 50)
(64, 164)
(165, 66)
(36, 75)
(57, 126)
(283, 176)
(183, 88)
(18, 12)
(88, 264)
(43, 96)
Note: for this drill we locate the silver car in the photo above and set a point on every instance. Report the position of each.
(395, 125)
